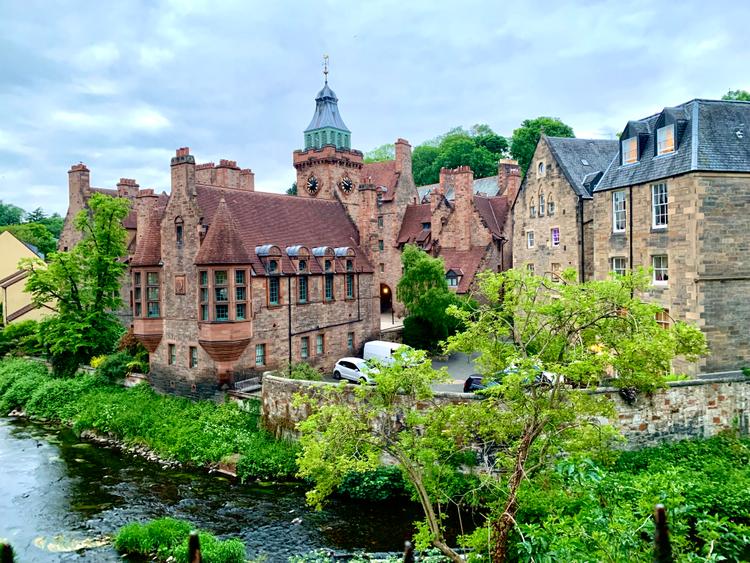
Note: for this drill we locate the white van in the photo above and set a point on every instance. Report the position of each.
(381, 350)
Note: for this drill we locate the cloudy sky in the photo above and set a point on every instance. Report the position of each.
(119, 85)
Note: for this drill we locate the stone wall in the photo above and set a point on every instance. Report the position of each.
(687, 409)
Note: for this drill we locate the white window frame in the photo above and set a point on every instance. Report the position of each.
(629, 147)
(660, 266)
(659, 206)
(532, 211)
(529, 239)
(552, 237)
(665, 140)
(615, 261)
(541, 205)
(616, 211)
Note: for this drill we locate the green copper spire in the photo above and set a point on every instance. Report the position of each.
(327, 127)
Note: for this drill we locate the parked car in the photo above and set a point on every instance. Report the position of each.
(381, 350)
(353, 369)
(476, 382)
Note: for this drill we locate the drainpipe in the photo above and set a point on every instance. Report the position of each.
(630, 230)
(582, 248)
(289, 321)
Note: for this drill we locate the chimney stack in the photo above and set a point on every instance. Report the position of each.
(227, 174)
(508, 179)
(183, 172)
(127, 187)
(403, 156)
(247, 180)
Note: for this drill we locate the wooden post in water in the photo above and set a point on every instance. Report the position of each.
(662, 545)
(6, 553)
(408, 552)
(194, 548)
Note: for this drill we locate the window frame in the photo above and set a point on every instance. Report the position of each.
(552, 232)
(632, 150)
(530, 242)
(303, 297)
(613, 262)
(274, 286)
(663, 319)
(171, 354)
(320, 344)
(304, 347)
(193, 357)
(660, 210)
(623, 211)
(665, 146)
(149, 300)
(541, 205)
(329, 289)
(260, 347)
(660, 274)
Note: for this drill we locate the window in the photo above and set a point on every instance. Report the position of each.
(529, 239)
(659, 206)
(382, 268)
(305, 347)
(541, 205)
(193, 359)
(272, 267)
(203, 295)
(273, 291)
(380, 221)
(171, 354)
(530, 268)
(618, 211)
(260, 354)
(555, 236)
(302, 289)
(240, 296)
(302, 266)
(629, 150)
(350, 286)
(665, 140)
(426, 226)
(152, 294)
(661, 269)
(329, 287)
(350, 341)
(328, 266)
(221, 295)
(381, 245)
(178, 231)
(550, 206)
(663, 319)
(137, 295)
(532, 211)
(618, 265)
(320, 344)
(452, 279)
(540, 168)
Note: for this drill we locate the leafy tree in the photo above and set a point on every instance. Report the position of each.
(35, 234)
(10, 214)
(525, 138)
(84, 283)
(741, 95)
(381, 153)
(424, 165)
(35, 216)
(292, 190)
(53, 223)
(424, 292)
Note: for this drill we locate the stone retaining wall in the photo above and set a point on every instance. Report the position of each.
(687, 409)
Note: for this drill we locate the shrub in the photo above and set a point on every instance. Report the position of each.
(381, 484)
(114, 366)
(21, 339)
(19, 384)
(302, 371)
(59, 398)
(96, 361)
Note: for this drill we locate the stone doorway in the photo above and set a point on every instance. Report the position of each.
(386, 299)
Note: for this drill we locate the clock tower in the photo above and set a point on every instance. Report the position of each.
(328, 168)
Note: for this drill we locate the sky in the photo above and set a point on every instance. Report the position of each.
(119, 85)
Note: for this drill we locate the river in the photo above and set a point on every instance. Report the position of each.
(59, 494)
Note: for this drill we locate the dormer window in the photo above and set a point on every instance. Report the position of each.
(302, 266)
(665, 140)
(452, 278)
(426, 226)
(273, 266)
(328, 265)
(629, 150)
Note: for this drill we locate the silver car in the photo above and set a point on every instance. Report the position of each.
(353, 369)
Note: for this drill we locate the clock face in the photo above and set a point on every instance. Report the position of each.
(313, 185)
(347, 185)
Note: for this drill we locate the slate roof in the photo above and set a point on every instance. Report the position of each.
(326, 111)
(582, 159)
(710, 135)
(485, 186)
(282, 220)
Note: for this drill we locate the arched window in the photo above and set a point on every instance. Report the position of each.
(550, 205)
(179, 231)
(541, 205)
(541, 169)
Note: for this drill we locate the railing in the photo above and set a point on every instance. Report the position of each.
(247, 385)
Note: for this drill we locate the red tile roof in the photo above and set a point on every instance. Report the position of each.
(466, 262)
(411, 224)
(282, 220)
(148, 248)
(493, 211)
(382, 174)
(223, 244)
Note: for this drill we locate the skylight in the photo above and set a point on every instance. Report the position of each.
(584, 162)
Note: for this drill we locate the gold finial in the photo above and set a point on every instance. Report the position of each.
(325, 67)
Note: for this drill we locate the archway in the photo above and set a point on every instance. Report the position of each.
(386, 299)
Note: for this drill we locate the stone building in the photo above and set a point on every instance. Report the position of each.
(463, 225)
(676, 198)
(552, 215)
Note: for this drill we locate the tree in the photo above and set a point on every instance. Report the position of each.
(381, 153)
(546, 345)
(424, 292)
(35, 216)
(35, 234)
(741, 95)
(292, 190)
(54, 224)
(10, 214)
(424, 165)
(84, 284)
(525, 138)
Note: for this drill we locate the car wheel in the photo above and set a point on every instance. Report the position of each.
(336, 375)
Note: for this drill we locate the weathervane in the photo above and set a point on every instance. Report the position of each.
(325, 67)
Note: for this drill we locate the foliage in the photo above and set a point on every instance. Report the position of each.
(541, 339)
(741, 95)
(96, 361)
(10, 214)
(382, 483)
(85, 285)
(292, 190)
(746, 371)
(53, 223)
(424, 292)
(525, 138)
(21, 339)
(167, 539)
(300, 370)
(480, 148)
(198, 433)
(35, 234)
(139, 362)
(381, 153)
(114, 367)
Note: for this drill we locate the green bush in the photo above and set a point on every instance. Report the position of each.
(213, 550)
(17, 387)
(115, 366)
(59, 398)
(302, 371)
(381, 484)
(21, 339)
